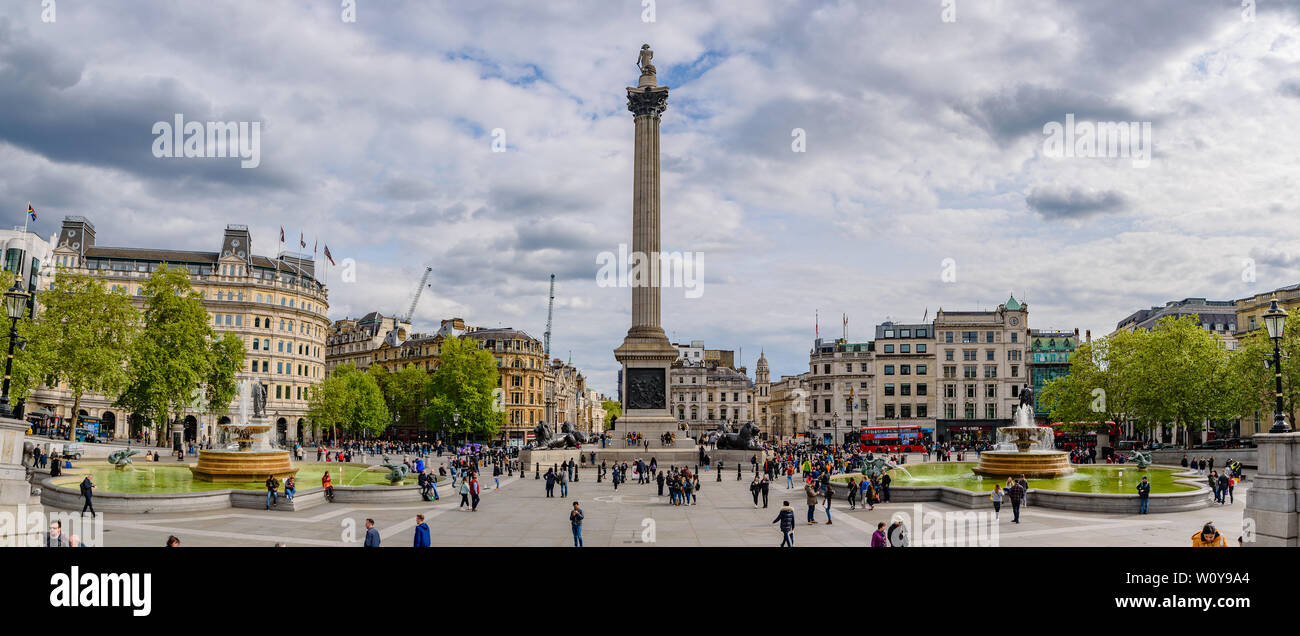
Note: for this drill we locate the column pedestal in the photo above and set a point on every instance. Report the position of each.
(15, 491)
(1273, 501)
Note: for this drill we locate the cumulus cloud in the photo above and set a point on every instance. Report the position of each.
(923, 144)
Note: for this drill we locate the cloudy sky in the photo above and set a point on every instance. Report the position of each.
(924, 141)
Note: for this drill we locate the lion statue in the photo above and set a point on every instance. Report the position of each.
(745, 439)
(546, 439)
(579, 437)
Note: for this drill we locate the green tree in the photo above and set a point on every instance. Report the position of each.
(81, 336)
(460, 397)
(405, 393)
(1249, 384)
(176, 355)
(1099, 387)
(349, 401)
(1180, 367)
(613, 409)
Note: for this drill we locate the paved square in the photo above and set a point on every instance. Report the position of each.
(519, 514)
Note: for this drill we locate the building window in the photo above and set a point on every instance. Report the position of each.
(920, 389)
(921, 410)
(947, 355)
(889, 369)
(905, 410)
(889, 348)
(889, 411)
(990, 411)
(889, 389)
(921, 369)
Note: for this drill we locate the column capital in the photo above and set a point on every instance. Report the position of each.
(647, 101)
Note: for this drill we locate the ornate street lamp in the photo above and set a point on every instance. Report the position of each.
(15, 305)
(1274, 322)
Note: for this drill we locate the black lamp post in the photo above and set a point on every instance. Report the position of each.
(15, 303)
(1274, 321)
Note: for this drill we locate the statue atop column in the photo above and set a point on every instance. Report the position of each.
(643, 61)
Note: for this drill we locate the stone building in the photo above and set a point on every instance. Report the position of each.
(841, 386)
(564, 386)
(1049, 353)
(354, 340)
(1216, 316)
(1250, 310)
(983, 360)
(707, 392)
(788, 408)
(905, 388)
(762, 395)
(277, 306)
(521, 368)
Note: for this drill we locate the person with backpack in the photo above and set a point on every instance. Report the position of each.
(271, 485)
(464, 494)
(474, 491)
(786, 518)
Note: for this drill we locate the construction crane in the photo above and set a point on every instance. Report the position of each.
(410, 311)
(550, 312)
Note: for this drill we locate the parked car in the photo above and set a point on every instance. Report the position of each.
(72, 451)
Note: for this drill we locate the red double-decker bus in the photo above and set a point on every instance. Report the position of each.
(890, 439)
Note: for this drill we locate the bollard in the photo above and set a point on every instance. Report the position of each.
(537, 468)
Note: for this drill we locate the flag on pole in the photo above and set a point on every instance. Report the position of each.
(281, 233)
(927, 314)
(817, 323)
(327, 254)
(315, 243)
(31, 212)
(302, 242)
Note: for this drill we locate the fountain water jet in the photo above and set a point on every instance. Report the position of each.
(255, 459)
(1024, 448)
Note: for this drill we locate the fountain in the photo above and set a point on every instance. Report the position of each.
(254, 458)
(1024, 448)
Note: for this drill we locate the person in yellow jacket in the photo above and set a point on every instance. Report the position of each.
(1208, 537)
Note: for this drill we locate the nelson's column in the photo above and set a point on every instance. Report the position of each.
(646, 353)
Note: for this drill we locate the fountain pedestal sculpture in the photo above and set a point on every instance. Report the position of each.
(1035, 455)
(254, 459)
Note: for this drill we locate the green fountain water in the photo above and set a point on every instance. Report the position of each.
(1087, 478)
(149, 477)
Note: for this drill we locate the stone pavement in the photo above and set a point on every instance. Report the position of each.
(519, 514)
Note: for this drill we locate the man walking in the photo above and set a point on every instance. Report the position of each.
(372, 535)
(564, 484)
(575, 523)
(87, 491)
(764, 485)
(550, 483)
(421, 532)
(473, 491)
(786, 517)
(1144, 495)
